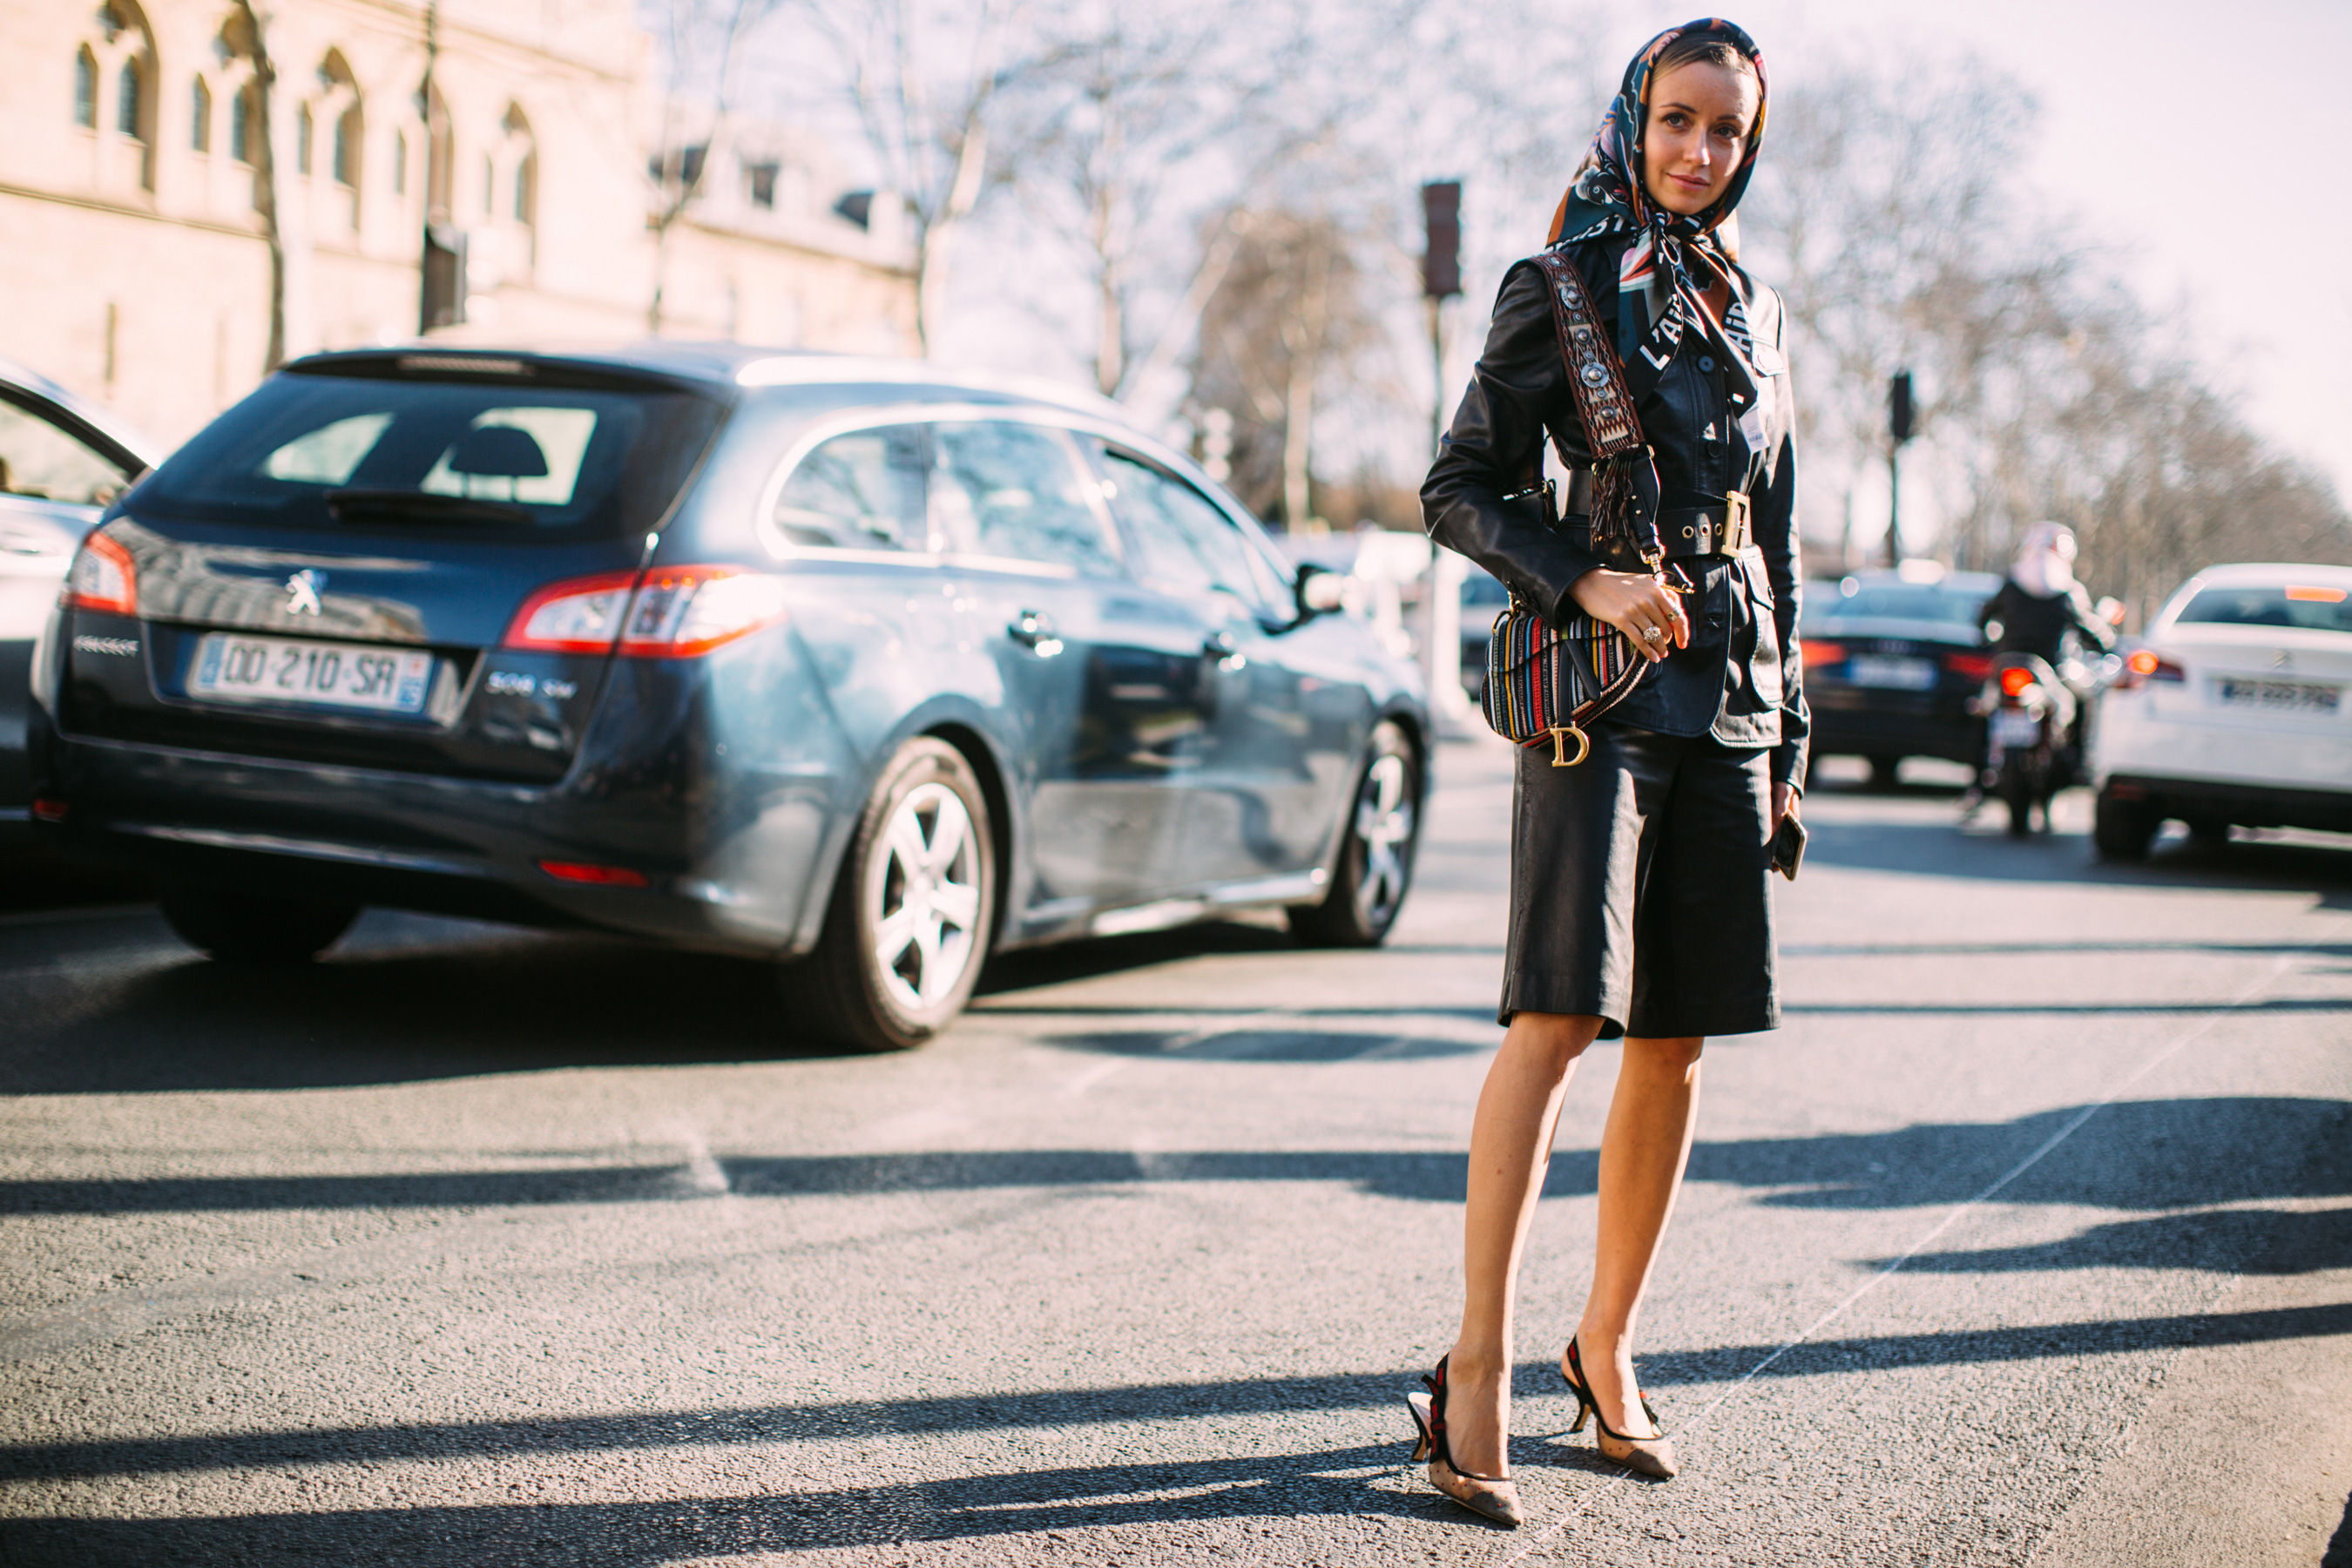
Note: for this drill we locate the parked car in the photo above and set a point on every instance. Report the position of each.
(62, 458)
(867, 667)
(2232, 711)
(1891, 661)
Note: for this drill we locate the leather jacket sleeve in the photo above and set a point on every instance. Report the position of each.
(1773, 513)
(1496, 448)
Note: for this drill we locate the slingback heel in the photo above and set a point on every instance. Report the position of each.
(1651, 1456)
(1494, 1497)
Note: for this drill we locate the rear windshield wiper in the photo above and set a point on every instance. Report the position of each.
(345, 505)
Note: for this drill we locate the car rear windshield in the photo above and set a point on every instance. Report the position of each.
(2310, 608)
(1903, 602)
(331, 451)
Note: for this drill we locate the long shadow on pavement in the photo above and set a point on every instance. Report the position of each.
(2136, 1155)
(1051, 1409)
(626, 1534)
(426, 1000)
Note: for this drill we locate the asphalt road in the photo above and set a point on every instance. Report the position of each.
(2028, 1239)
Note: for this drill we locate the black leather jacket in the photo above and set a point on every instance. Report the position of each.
(1716, 421)
(2038, 624)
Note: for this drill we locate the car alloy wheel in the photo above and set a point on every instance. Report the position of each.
(923, 898)
(1384, 829)
(909, 924)
(1375, 863)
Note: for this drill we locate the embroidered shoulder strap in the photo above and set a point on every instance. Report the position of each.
(1625, 481)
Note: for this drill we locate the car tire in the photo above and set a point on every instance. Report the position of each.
(253, 928)
(2018, 793)
(2123, 829)
(912, 913)
(1374, 868)
(1883, 772)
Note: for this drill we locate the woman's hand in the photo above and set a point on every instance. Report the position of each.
(1784, 803)
(1636, 604)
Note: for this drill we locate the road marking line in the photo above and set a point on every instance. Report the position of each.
(1939, 1229)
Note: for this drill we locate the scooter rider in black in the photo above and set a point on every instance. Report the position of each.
(2041, 601)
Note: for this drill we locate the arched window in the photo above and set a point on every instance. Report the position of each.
(240, 125)
(200, 117)
(303, 140)
(399, 163)
(86, 88)
(131, 99)
(346, 161)
(523, 154)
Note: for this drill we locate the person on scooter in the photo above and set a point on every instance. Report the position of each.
(2040, 602)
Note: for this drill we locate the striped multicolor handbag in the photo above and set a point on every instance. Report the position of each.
(1545, 682)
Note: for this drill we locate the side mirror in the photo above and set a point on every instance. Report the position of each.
(1317, 589)
(2110, 610)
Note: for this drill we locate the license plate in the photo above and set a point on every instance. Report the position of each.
(2014, 727)
(317, 674)
(2294, 696)
(1900, 674)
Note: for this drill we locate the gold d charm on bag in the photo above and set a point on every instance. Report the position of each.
(1560, 734)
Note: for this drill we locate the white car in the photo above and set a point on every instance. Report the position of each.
(2234, 711)
(61, 461)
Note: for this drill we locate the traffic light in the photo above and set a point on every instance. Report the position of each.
(1898, 408)
(1441, 215)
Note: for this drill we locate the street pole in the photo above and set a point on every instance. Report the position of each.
(425, 312)
(1441, 279)
(1440, 642)
(1898, 431)
(1894, 505)
(1437, 363)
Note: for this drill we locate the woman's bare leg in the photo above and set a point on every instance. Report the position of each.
(1511, 1144)
(1643, 1152)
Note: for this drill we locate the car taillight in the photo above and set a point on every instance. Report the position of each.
(593, 876)
(1819, 655)
(1968, 666)
(2016, 681)
(682, 611)
(670, 612)
(582, 615)
(2145, 666)
(103, 578)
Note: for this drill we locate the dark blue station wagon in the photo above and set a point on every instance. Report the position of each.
(868, 667)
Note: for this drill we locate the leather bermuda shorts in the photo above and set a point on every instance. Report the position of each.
(1640, 886)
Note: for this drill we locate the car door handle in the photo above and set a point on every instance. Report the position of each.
(1033, 629)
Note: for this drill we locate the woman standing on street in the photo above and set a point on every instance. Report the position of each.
(1639, 904)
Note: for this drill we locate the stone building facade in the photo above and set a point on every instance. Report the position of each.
(135, 252)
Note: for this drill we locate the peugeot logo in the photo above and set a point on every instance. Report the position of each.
(302, 591)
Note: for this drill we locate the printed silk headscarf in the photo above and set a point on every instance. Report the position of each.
(1655, 294)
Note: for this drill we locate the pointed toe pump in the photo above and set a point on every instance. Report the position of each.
(1651, 1456)
(1494, 1497)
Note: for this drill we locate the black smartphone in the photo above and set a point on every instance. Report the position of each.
(1788, 847)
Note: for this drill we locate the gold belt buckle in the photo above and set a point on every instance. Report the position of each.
(1735, 522)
